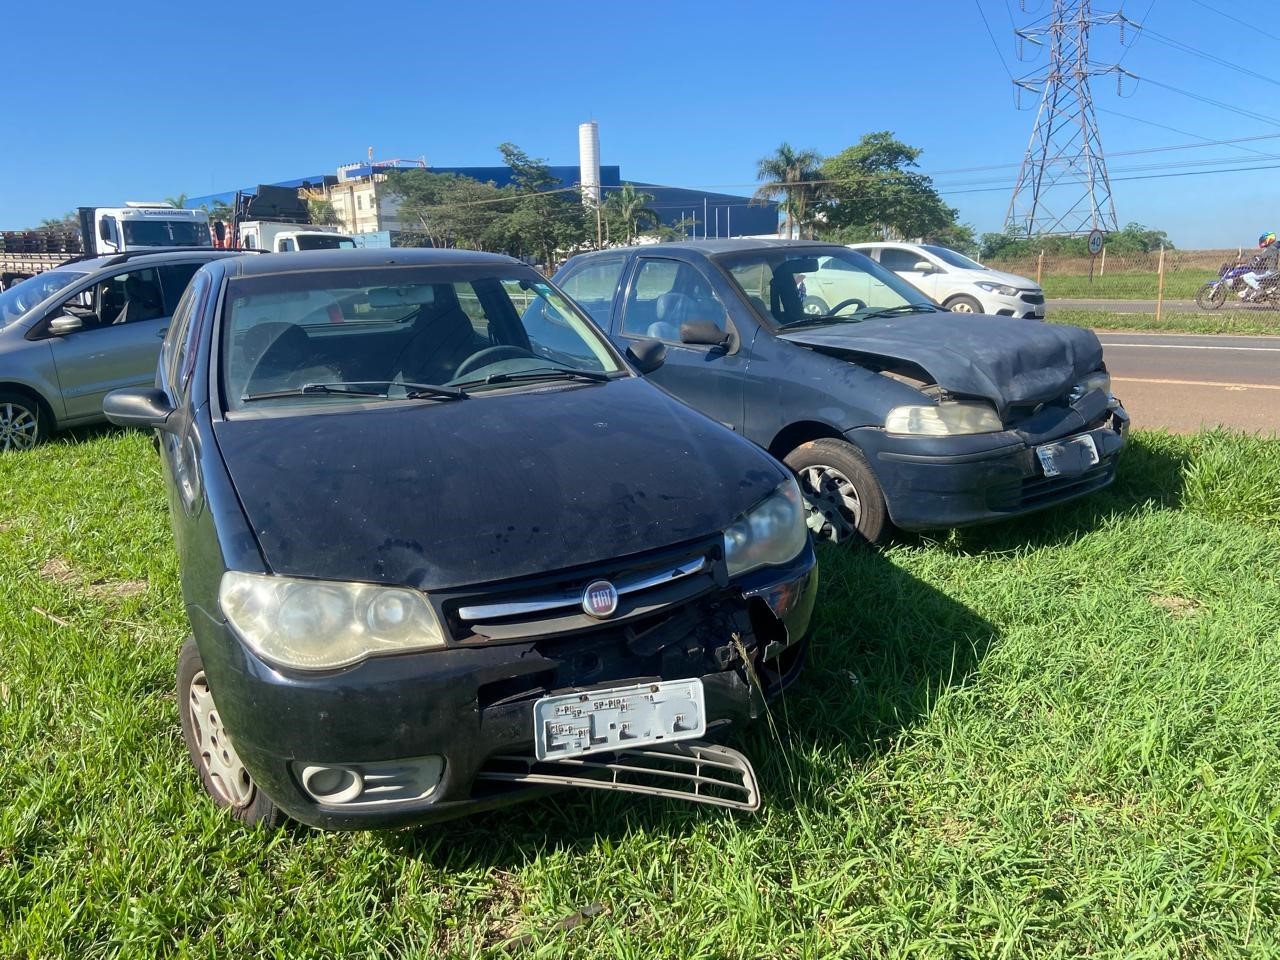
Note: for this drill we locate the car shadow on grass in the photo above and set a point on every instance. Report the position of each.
(85, 434)
(884, 645)
(1150, 474)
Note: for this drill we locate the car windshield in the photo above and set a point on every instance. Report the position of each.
(953, 259)
(166, 233)
(790, 286)
(21, 297)
(426, 333)
(324, 241)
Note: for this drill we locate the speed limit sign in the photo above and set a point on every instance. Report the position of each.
(1095, 242)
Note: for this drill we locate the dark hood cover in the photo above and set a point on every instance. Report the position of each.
(467, 492)
(1004, 360)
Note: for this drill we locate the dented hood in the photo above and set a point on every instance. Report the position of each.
(505, 485)
(1000, 359)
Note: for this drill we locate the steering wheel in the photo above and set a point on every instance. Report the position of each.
(845, 303)
(482, 358)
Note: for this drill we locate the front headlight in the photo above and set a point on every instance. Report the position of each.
(325, 624)
(946, 419)
(1098, 380)
(770, 533)
(1001, 288)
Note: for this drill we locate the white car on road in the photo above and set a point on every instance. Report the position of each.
(956, 282)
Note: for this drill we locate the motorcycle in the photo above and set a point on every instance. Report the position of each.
(1213, 294)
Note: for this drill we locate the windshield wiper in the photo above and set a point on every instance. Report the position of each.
(811, 321)
(552, 373)
(359, 388)
(901, 308)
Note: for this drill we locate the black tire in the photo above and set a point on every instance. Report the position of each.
(843, 499)
(1211, 296)
(963, 304)
(815, 307)
(239, 795)
(23, 421)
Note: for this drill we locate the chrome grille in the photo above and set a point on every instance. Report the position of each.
(553, 605)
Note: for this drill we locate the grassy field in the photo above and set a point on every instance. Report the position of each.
(1241, 323)
(1052, 738)
(1178, 285)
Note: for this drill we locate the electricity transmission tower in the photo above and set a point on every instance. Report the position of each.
(1062, 185)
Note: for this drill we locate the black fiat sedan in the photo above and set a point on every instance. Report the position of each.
(441, 551)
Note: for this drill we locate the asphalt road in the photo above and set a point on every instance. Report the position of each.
(1182, 383)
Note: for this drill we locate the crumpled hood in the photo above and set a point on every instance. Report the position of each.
(456, 493)
(1000, 359)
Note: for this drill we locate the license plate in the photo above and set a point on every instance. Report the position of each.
(1068, 458)
(619, 718)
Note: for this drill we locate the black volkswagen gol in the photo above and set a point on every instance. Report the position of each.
(441, 551)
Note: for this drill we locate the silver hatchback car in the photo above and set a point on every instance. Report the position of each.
(73, 334)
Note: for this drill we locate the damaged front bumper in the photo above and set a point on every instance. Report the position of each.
(934, 482)
(428, 736)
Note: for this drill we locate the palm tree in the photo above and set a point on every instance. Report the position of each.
(178, 202)
(791, 174)
(628, 211)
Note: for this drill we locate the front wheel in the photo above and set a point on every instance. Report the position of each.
(222, 774)
(843, 499)
(1211, 296)
(963, 304)
(815, 307)
(23, 424)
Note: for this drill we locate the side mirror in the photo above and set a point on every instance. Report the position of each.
(647, 355)
(924, 266)
(137, 407)
(703, 332)
(64, 323)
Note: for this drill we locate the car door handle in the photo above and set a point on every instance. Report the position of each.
(163, 331)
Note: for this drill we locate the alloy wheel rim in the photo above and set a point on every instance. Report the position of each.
(227, 774)
(833, 509)
(18, 427)
(962, 307)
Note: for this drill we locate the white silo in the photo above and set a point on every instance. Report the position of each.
(589, 161)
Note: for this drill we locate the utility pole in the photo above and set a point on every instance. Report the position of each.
(1063, 185)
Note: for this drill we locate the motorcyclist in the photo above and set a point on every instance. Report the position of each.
(1263, 267)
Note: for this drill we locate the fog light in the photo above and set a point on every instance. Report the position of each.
(375, 784)
(331, 784)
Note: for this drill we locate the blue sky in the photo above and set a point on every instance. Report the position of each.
(141, 100)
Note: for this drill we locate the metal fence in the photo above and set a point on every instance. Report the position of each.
(1179, 280)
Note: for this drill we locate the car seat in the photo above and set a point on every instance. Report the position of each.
(671, 310)
(142, 300)
(443, 337)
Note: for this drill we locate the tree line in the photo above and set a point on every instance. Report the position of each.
(872, 190)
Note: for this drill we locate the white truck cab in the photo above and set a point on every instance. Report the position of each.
(287, 237)
(138, 225)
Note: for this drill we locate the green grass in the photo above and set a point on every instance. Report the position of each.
(1241, 323)
(1178, 285)
(1054, 737)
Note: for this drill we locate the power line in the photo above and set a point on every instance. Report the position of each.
(1222, 13)
(1212, 58)
(1261, 117)
(1145, 17)
(982, 14)
(1237, 142)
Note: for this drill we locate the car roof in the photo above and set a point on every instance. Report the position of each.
(177, 254)
(270, 263)
(708, 248)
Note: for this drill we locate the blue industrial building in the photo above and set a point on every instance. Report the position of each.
(705, 214)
